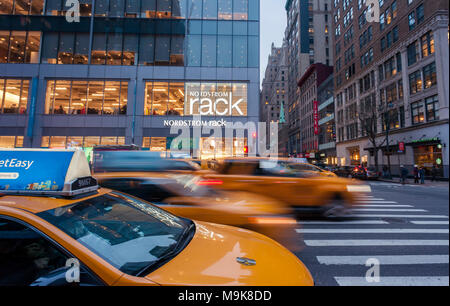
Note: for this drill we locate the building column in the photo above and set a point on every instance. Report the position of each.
(441, 42)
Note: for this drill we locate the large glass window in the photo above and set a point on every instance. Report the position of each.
(98, 56)
(224, 51)
(160, 99)
(62, 142)
(225, 9)
(66, 48)
(240, 9)
(14, 96)
(11, 142)
(240, 51)
(209, 53)
(146, 50)
(194, 98)
(194, 51)
(81, 48)
(114, 49)
(195, 9)
(21, 7)
(17, 44)
(66, 97)
(209, 9)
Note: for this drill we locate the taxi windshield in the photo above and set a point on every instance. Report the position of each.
(130, 234)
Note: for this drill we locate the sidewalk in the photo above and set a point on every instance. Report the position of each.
(410, 181)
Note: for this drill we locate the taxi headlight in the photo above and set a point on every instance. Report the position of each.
(359, 188)
(272, 220)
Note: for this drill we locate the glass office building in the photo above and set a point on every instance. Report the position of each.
(126, 71)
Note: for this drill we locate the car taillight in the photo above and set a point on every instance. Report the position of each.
(209, 183)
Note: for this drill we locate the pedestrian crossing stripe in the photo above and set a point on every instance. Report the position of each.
(358, 243)
(371, 231)
(395, 281)
(385, 260)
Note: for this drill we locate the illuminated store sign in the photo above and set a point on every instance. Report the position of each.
(211, 99)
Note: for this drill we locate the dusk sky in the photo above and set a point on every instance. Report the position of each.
(273, 23)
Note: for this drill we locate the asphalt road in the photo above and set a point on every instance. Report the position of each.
(403, 231)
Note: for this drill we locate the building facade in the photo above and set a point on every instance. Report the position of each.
(307, 111)
(274, 90)
(309, 41)
(327, 123)
(399, 68)
(127, 72)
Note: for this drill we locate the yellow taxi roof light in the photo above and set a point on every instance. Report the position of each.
(45, 172)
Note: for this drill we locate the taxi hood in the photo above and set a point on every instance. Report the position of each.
(220, 255)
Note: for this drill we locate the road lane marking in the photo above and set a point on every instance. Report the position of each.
(430, 222)
(395, 281)
(389, 210)
(382, 205)
(368, 222)
(370, 231)
(376, 202)
(385, 260)
(401, 216)
(357, 243)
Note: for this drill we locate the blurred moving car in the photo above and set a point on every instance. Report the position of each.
(303, 191)
(363, 173)
(145, 161)
(192, 196)
(344, 171)
(304, 167)
(54, 213)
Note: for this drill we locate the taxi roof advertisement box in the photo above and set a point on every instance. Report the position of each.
(41, 170)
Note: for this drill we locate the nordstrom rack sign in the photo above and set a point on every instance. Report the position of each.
(216, 99)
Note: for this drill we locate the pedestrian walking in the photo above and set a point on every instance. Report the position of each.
(403, 174)
(434, 173)
(416, 174)
(422, 175)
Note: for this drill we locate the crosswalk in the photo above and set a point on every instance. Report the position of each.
(413, 252)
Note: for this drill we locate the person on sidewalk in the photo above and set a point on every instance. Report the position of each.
(434, 173)
(403, 174)
(416, 174)
(422, 175)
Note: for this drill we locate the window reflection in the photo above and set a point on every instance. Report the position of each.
(21, 7)
(226, 9)
(11, 142)
(98, 56)
(63, 142)
(240, 8)
(160, 98)
(19, 46)
(14, 96)
(66, 97)
(194, 98)
(176, 99)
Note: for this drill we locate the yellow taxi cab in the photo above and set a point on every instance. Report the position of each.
(193, 197)
(57, 227)
(303, 191)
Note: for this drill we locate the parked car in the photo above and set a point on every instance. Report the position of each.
(364, 173)
(343, 171)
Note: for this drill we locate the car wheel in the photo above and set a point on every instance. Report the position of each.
(337, 210)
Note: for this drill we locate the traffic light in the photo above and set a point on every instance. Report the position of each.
(246, 151)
